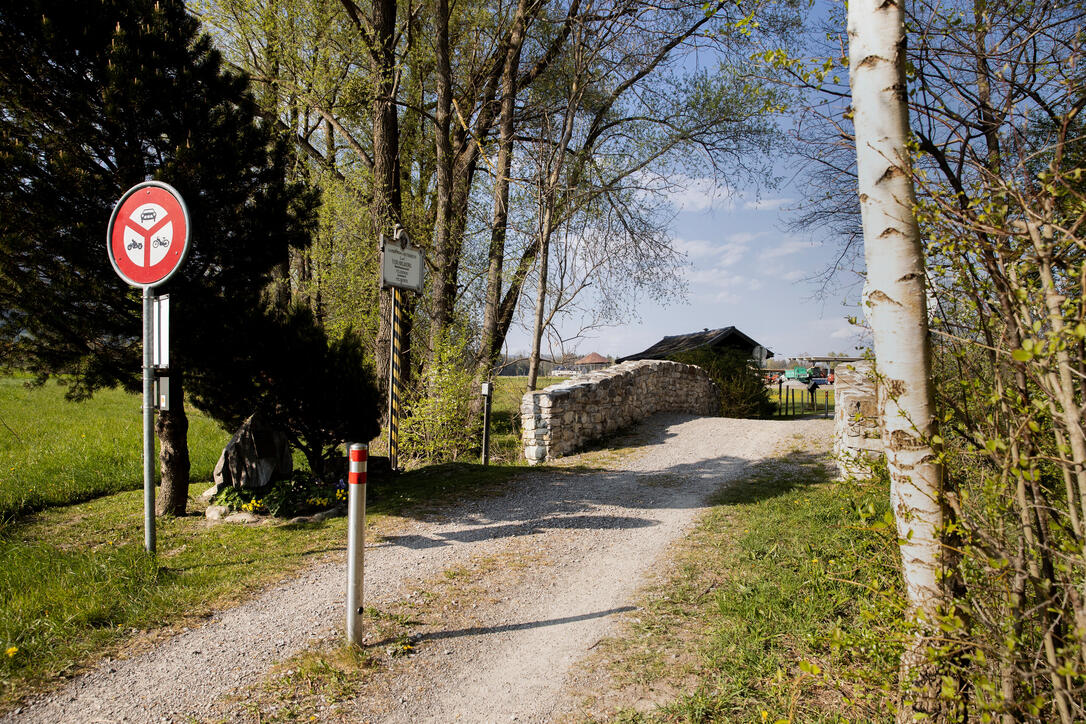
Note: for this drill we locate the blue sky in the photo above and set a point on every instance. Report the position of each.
(744, 270)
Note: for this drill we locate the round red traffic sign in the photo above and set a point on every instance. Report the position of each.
(148, 235)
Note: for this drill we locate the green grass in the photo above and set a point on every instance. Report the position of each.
(505, 442)
(55, 452)
(802, 402)
(783, 607)
(76, 584)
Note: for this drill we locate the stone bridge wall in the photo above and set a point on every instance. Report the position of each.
(563, 417)
(856, 434)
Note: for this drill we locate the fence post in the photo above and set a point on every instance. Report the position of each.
(356, 539)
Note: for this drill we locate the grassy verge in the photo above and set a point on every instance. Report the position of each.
(75, 583)
(782, 608)
(55, 452)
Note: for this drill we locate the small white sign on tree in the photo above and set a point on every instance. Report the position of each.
(402, 264)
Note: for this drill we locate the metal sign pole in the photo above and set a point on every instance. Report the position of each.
(149, 216)
(148, 423)
(394, 381)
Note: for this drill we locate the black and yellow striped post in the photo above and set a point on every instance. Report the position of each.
(394, 380)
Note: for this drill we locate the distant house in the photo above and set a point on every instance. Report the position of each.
(591, 362)
(714, 339)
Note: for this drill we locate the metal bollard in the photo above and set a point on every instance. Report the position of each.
(487, 392)
(356, 539)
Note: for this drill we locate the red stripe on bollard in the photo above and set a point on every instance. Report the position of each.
(356, 470)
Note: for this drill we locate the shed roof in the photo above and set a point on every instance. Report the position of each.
(725, 337)
(592, 359)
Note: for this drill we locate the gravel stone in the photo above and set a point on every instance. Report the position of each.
(602, 533)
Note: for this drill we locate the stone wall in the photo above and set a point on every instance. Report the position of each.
(856, 435)
(563, 417)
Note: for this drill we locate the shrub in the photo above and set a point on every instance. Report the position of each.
(742, 391)
(319, 391)
(439, 425)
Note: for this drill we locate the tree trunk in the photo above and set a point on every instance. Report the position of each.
(172, 428)
(490, 346)
(540, 301)
(895, 305)
(386, 172)
(441, 308)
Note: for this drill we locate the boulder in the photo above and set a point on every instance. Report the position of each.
(255, 456)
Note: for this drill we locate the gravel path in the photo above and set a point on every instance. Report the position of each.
(561, 557)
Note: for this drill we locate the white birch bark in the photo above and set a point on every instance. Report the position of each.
(894, 298)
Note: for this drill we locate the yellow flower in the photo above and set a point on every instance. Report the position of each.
(12, 650)
(765, 714)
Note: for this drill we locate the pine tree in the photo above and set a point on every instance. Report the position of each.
(94, 98)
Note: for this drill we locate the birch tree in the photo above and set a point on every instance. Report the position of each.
(895, 306)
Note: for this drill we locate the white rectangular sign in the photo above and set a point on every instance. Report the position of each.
(402, 267)
(160, 348)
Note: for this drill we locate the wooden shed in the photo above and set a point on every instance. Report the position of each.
(714, 339)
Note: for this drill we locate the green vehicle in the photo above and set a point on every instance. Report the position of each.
(801, 374)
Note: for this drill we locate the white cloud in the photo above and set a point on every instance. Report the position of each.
(766, 204)
(726, 298)
(789, 247)
(708, 257)
(720, 286)
(699, 194)
(847, 331)
(744, 237)
(696, 248)
(794, 276)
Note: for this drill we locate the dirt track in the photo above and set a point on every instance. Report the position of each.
(529, 582)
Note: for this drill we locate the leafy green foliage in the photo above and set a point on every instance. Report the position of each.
(95, 97)
(1003, 229)
(319, 391)
(438, 425)
(742, 390)
(287, 497)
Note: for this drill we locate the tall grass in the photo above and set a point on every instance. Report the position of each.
(56, 452)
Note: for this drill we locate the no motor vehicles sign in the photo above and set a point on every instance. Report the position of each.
(148, 234)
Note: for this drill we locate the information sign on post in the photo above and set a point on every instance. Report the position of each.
(402, 267)
(146, 241)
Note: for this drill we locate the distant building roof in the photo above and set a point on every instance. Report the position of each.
(726, 337)
(592, 359)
